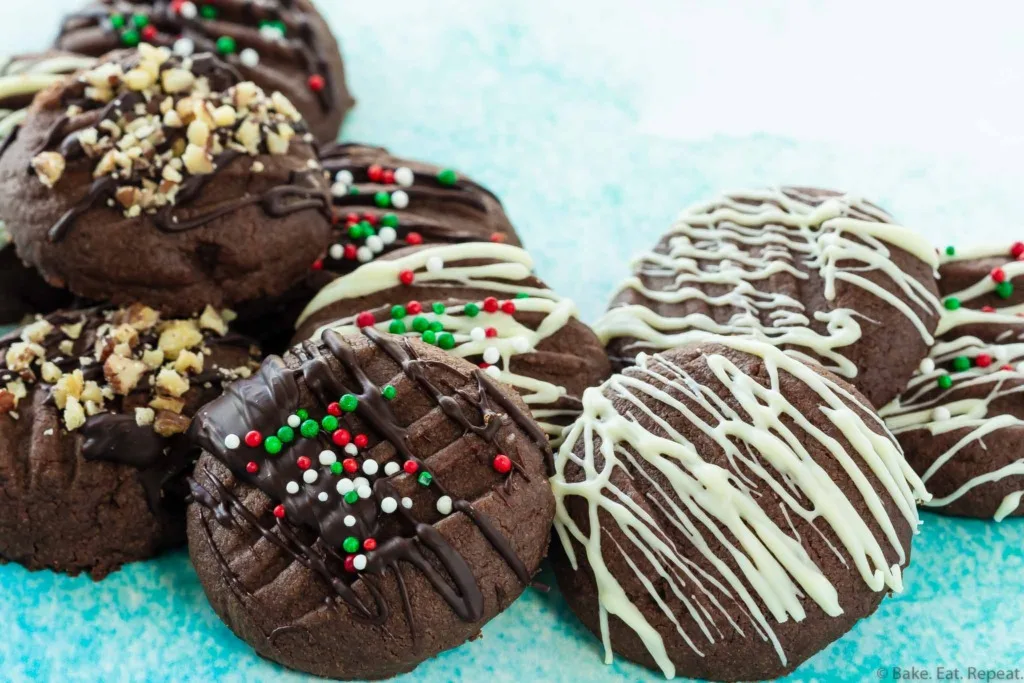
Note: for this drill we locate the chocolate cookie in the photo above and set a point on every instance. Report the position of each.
(750, 509)
(93, 411)
(165, 180)
(281, 45)
(983, 292)
(481, 302)
(22, 289)
(825, 276)
(366, 502)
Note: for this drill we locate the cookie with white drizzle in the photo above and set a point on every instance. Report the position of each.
(826, 276)
(726, 510)
(479, 301)
(983, 292)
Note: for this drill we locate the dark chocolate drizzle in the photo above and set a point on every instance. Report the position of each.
(265, 402)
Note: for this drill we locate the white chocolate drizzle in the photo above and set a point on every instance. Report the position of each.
(22, 77)
(707, 502)
(838, 238)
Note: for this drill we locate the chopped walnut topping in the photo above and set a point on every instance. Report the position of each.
(74, 414)
(49, 167)
(177, 336)
(212, 320)
(189, 362)
(73, 331)
(169, 424)
(36, 332)
(123, 374)
(175, 405)
(144, 416)
(169, 381)
(153, 358)
(50, 372)
(7, 402)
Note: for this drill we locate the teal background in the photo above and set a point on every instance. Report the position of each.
(597, 122)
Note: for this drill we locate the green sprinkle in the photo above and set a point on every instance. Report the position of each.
(368, 230)
(952, 303)
(389, 392)
(130, 37)
(351, 497)
(961, 363)
(438, 308)
(446, 341)
(309, 429)
(389, 220)
(117, 21)
(420, 324)
(226, 45)
(945, 381)
(336, 468)
(472, 310)
(425, 478)
(272, 445)
(140, 20)
(447, 177)
(522, 295)
(302, 413)
(353, 190)
(208, 12)
(349, 403)
(436, 326)
(351, 544)
(330, 423)
(950, 250)
(382, 199)
(396, 327)
(1004, 289)
(429, 337)
(273, 23)
(286, 434)
(398, 312)
(356, 231)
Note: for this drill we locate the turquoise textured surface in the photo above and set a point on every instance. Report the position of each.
(597, 121)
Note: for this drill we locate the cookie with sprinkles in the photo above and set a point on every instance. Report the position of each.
(281, 45)
(725, 511)
(982, 291)
(826, 276)
(94, 405)
(479, 301)
(365, 502)
(383, 202)
(166, 180)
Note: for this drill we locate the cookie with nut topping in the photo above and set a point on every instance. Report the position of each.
(94, 405)
(167, 180)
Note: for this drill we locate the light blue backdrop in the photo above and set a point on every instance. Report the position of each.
(597, 121)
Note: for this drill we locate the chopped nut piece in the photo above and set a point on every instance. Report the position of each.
(212, 320)
(7, 402)
(169, 424)
(144, 416)
(198, 133)
(21, 354)
(49, 167)
(73, 331)
(37, 331)
(189, 362)
(175, 405)
(177, 80)
(139, 79)
(50, 372)
(74, 414)
(197, 160)
(92, 392)
(123, 374)
(177, 336)
(170, 382)
(141, 317)
(225, 116)
(153, 358)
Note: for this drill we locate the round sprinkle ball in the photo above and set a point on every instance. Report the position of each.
(231, 442)
(407, 502)
(444, 505)
(388, 505)
(310, 476)
(292, 487)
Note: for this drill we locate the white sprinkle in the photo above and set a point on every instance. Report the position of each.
(336, 252)
(351, 448)
(927, 366)
(407, 503)
(188, 10)
(294, 421)
(350, 520)
(403, 176)
(444, 505)
(231, 442)
(388, 505)
(364, 492)
(387, 235)
(339, 189)
(493, 371)
(292, 487)
(344, 176)
(359, 562)
(184, 47)
(435, 264)
(370, 467)
(360, 482)
(940, 414)
(492, 355)
(364, 254)
(322, 496)
(249, 57)
(327, 458)
(392, 468)
(520, 344)
(310, 476)
(477, 334)
(269, 32)
(399, 199)
(344, 486)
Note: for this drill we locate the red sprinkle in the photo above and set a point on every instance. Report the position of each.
(484, 366)
(352, 218)
(341, 437)
(370, 218)
(350, 465)
(389, 177)
(491, 332)
(1016, 249)
(334, 409)
(350, 252)
(502, 464)
(350, 564)
(414, 238)
(1007, 367)
(303, 462)
(318, 264)
(983, 360)
(361, 440)
(491, 304)
(370, 544)
(375, 173)
(251, 467)
(279, 511)
(508, 307)
(998, 275)
(987, 309)
(414, 307)
(253, 439)
(410, 467)
(149, 33)
(316, 83)
(497, 237)
(406, 277)
(365, 319)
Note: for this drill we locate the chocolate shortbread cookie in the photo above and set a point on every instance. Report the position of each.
(825, 276)
(281, 45)
(481, 302)
(726, 511)
(93, 411)
(165, 180)
(366, 494)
